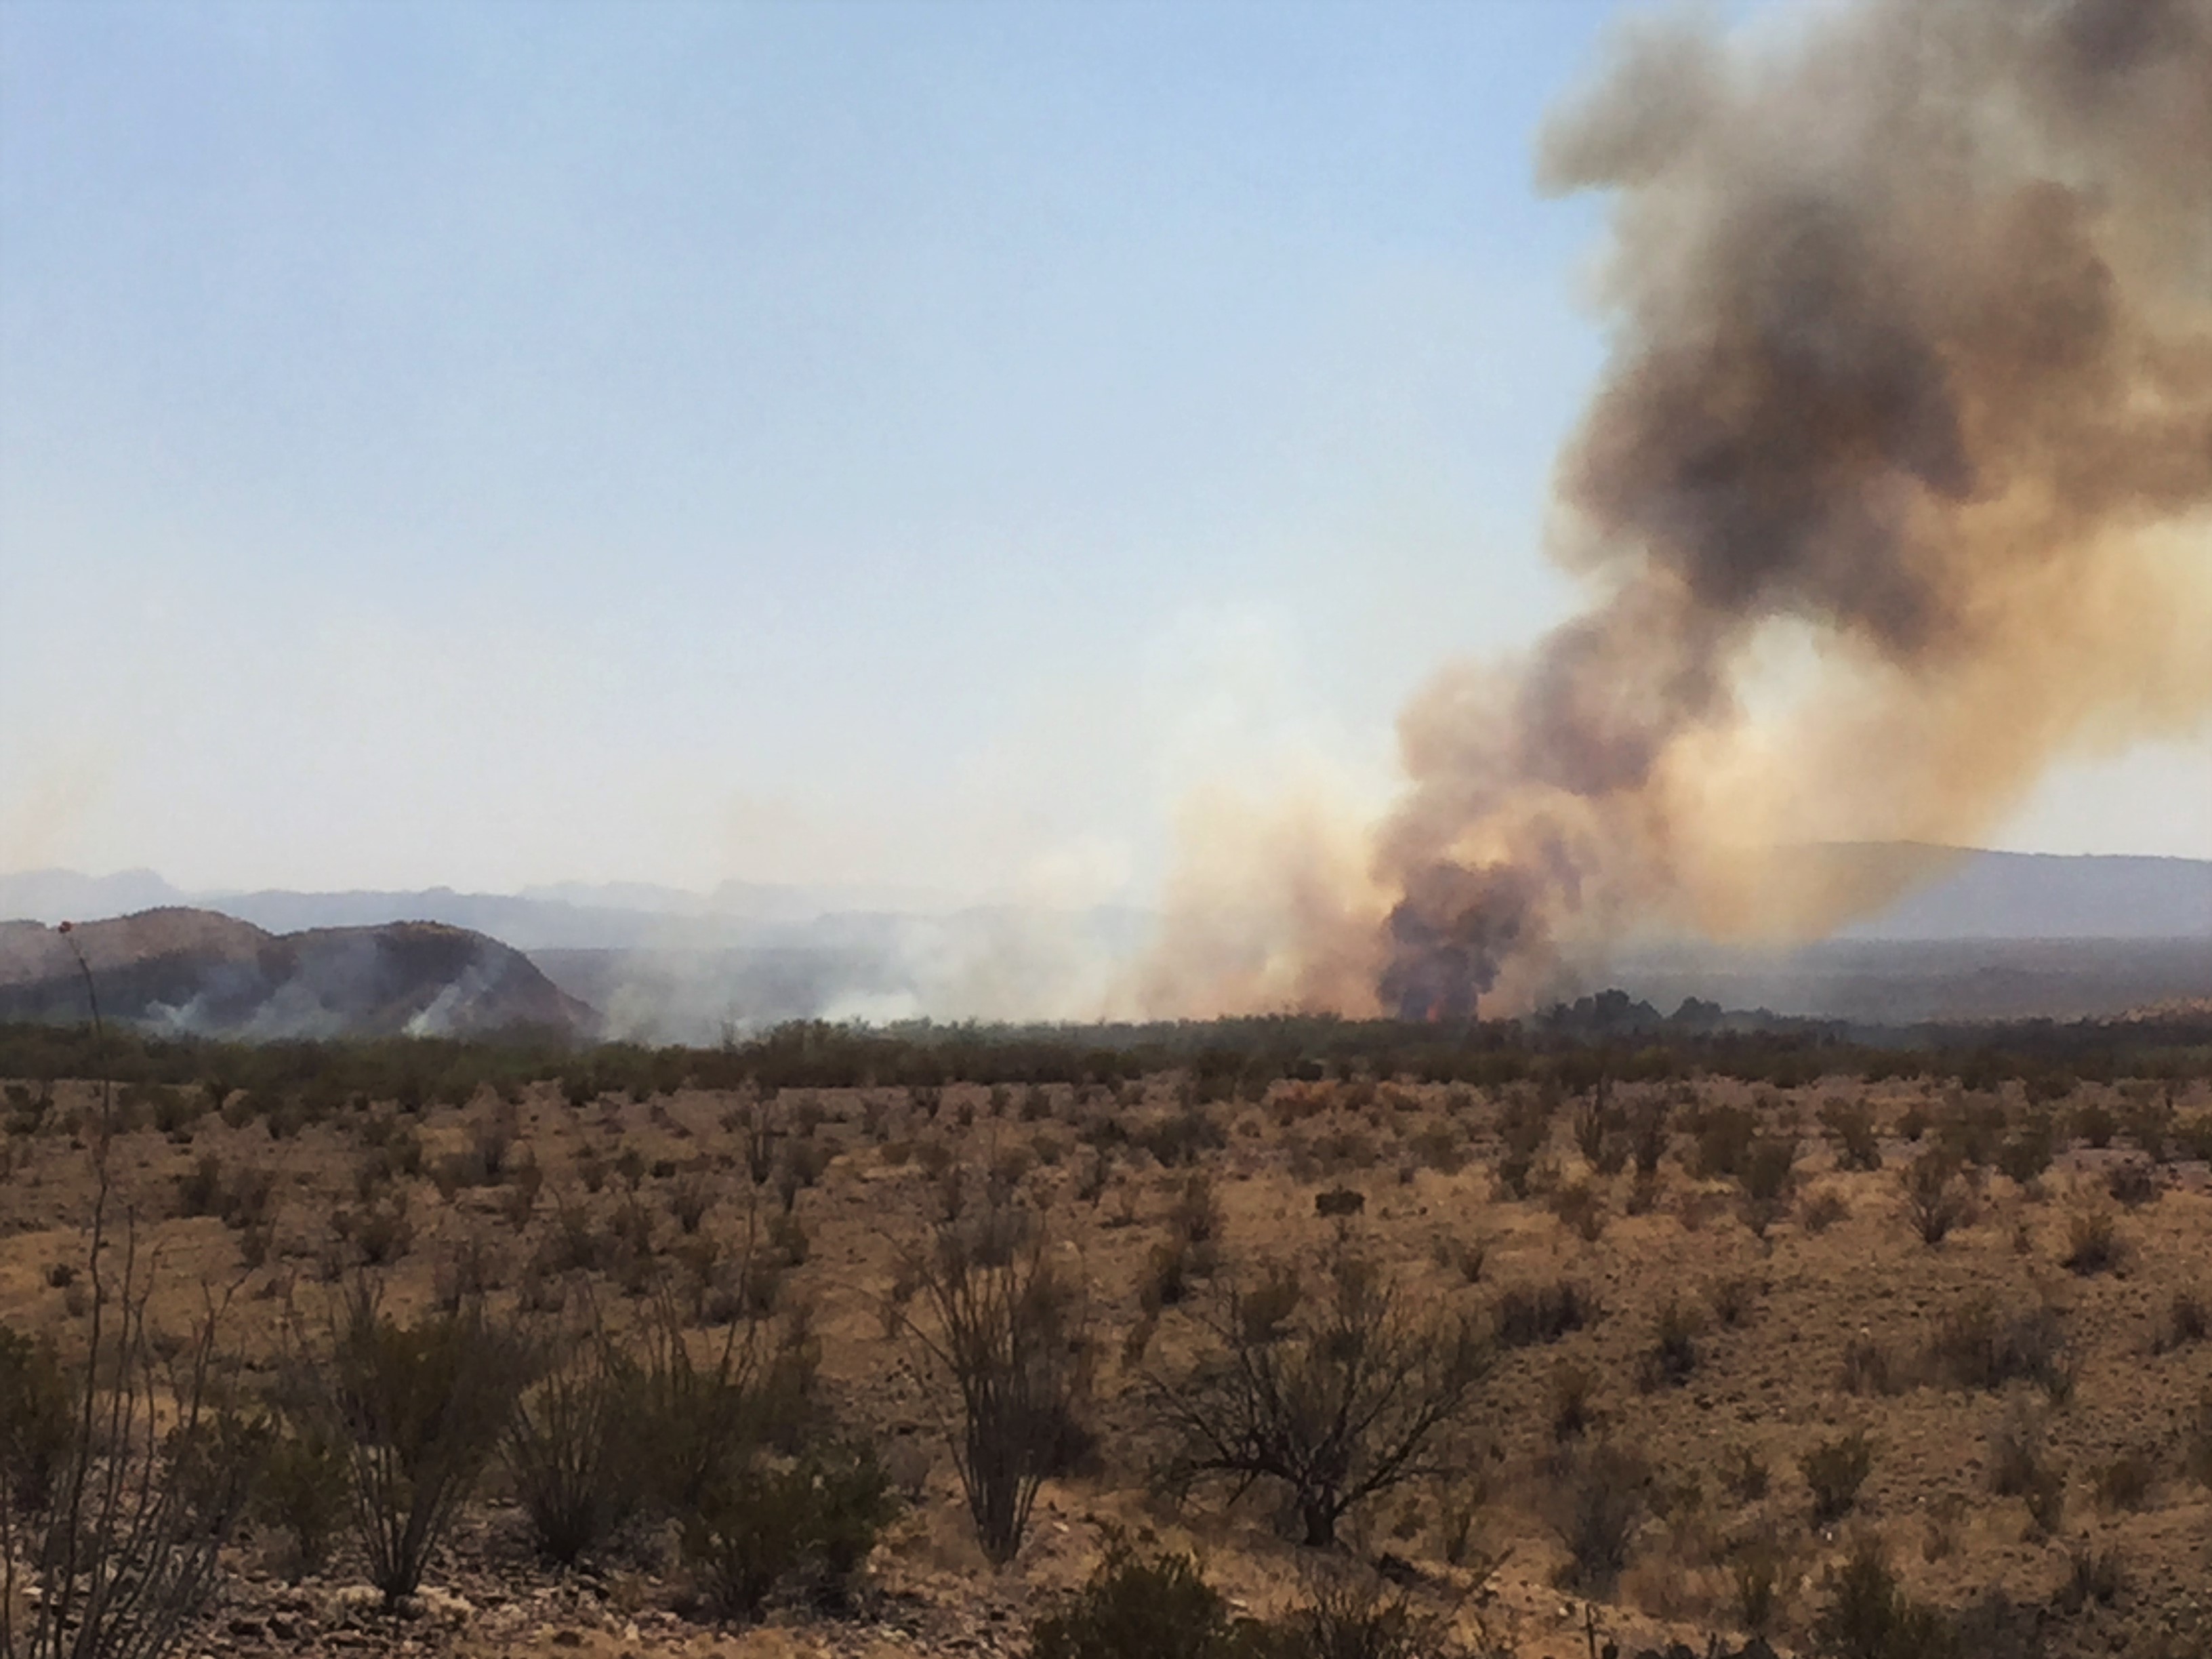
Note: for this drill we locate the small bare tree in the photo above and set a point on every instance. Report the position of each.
(1337, 1402)
(994, 1314)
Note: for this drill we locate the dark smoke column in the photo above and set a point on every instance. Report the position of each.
(1912, 356)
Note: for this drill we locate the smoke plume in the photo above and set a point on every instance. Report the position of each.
(1895, 488)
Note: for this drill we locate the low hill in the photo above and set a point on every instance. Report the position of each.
(200, 971)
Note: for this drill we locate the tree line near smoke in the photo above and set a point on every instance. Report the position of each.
(1608, 1034)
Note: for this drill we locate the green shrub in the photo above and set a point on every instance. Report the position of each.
(766, 1523)
(1868, 1615)
(574, 1449)
(1724, 1134)
(37, 1426)
(1140, 1608)
(304, 1492)
(1851, 1125)
(420, 1409)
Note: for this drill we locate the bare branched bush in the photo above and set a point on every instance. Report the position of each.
(120, 1483)
(1349, 1397)
(1000, 1319)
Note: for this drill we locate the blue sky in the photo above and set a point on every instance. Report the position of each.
(896, 444)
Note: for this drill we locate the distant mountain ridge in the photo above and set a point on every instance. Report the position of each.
(1947, 893)
(198, 971)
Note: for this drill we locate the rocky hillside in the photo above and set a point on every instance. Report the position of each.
(201, 971)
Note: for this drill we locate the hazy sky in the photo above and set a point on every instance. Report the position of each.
(904, 444)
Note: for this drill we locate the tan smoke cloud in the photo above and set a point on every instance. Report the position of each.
(1912, 369)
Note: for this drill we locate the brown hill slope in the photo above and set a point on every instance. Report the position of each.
(201, 971)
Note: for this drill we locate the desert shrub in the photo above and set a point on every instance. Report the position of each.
(1769, 1178)
(199, 1189)
(2132, 1181)
(37, 1424)
(1339, 1202)
(1822, 1210)
(771, 1523)
(1439, 1147)
(2188, 1320)
(1597, 1502)
(1464, 1256)
(704, 1415)
(1972, 1130)
(1977, 1346)
(573, 1449)
(1935, 1200)
(420, 1409)
(1531, 1314)
(1574, 1394)
(1347, 1614)
(1849, 1124)
(1580, 1208)
(1725, 1135)
(2126, 1482)
(2029, 1150)
(2195, 1137)
(1165, 1279)
(1758, 1568)
(2094, 1122)
(303, 1494)
(2197, 1442)
(1182, 1137)
(1650, 1132)
(1354, 1398)
(1731, 1299)
(2093, 1244)
(1673, 1355)
(1868, 1615)
(1746, 1475)
(1006, 1326)
(1865, 1368)
(2093, 1577)
(1135, 1606)
(1834, 1470)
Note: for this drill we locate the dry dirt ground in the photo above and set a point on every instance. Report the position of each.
(1786, 1337)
